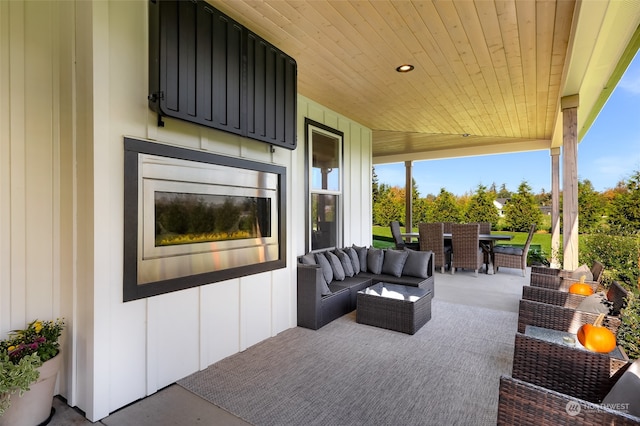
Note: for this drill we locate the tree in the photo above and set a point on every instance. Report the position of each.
(590, 207)
(504, 192)
(522, 210)
(481, 208)
(445, 208)
(625, 207)
(375, 189)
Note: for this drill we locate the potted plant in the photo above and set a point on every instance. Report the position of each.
(29, 364)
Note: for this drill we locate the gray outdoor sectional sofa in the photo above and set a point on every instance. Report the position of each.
(328, 280)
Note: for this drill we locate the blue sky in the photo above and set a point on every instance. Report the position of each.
(609, 152)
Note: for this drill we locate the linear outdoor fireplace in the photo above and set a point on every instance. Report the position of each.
(194, 218)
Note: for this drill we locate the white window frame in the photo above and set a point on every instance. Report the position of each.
(312, 127)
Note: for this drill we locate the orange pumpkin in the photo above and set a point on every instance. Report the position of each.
(597, 338)
(580, 288)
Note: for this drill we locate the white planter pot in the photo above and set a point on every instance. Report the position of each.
(35, 405)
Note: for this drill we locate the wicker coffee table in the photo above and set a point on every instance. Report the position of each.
(394, 307)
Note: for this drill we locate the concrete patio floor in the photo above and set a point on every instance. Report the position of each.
(174, 405)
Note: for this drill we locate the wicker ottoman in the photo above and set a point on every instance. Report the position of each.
(394, 307)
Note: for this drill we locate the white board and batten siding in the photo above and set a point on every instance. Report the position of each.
(73, 83)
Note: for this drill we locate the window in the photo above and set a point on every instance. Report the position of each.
(324, 168)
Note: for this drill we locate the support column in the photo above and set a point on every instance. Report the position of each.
(555, 207)
(570, 181)
(408, 192)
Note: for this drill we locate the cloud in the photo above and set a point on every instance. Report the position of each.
(612, 169)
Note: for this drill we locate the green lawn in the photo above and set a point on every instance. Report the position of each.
(382, 238)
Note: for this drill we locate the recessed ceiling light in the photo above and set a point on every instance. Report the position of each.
(465, 135)
(405, 68)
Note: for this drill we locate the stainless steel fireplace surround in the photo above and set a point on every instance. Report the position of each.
(194, 218)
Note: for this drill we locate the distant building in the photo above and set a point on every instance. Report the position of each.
(546, 210)
(500, 203)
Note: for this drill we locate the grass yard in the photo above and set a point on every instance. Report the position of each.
(382, 238)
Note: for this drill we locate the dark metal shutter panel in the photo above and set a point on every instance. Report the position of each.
(215, 72)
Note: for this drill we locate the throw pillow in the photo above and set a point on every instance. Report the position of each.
(327, 272)
(375, 258)
(345, 259)
(355, 260)
(582, 270)
(308, 259)
(394, 261)
(596, 303)
(362, 256)
(626, 391)
(417, 264)
(336, 266)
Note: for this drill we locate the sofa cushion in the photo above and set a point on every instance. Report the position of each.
(345, 259)
(375, 258)
(308, 259)
(596, 303)
(327, 272)
(393, 262)
(626, 392)
(362, 256)
(417, 264)
(355, 260)
(336, 266)
(582, 270)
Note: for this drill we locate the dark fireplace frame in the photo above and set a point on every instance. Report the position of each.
(135, 150)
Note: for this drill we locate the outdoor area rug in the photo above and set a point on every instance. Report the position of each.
(353, 374)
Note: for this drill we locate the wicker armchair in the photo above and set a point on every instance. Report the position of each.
(431, 238)
(513, 257)
(522, 403)
(397, 238)
(561, 279)
(577, 372)
(596, 270)
(466, 251)
(558, 317)
(616, 295)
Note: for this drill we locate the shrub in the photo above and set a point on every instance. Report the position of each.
(618, 254)
(628, 334)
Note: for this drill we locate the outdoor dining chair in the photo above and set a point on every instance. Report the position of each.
(513, 257)
(466, 252)
(432, 238)
(398, 240)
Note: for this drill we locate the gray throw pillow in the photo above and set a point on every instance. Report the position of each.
(375, 258)
(582, 270)
(394, 261)
(626, 392)
(362, 256)
(308, 259)
(336, 266)
(417, 264)
(596, 303)
(327, 272)
(345, 259)
(355, 260)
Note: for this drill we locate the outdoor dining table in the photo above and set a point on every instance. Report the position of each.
(486, 240)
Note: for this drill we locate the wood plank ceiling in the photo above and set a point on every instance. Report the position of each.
(491, 70)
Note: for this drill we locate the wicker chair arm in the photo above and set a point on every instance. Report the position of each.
(558, 318)
(522, 403)
(557, 283)
(552, 297)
